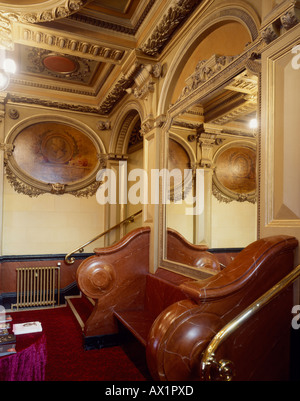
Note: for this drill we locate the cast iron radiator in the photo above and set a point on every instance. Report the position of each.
(37, 286)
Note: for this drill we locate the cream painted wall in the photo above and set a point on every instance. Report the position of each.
(180, 221)
(135, 161)
(49, 224)
(228, 39)
(234, 224)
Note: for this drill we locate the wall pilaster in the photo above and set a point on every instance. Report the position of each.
(2, 149)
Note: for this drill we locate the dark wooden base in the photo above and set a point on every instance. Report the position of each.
(98, 342)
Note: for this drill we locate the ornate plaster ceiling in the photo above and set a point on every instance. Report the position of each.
(70, 49)
(82, 54)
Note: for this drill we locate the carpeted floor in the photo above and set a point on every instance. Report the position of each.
(66, 358)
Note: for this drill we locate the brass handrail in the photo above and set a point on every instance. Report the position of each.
(224, 369)
(80, 249)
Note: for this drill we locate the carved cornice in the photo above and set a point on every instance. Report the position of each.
(178, 14)
(57, 105)
(209, 73)
(119, 89)
(169, 23)
(222, 197)
(62, 43)
(205, 70)
(244, 109)
(47, 11)
(43, 86)
(290, 18)
(79, 17)
(11, 13)
(115, 95)
(141, 93)
(283, 18)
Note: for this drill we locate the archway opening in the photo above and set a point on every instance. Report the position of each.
(227, 38)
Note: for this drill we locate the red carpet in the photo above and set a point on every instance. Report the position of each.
(66, 358)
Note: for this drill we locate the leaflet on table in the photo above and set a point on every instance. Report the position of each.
(29, 327)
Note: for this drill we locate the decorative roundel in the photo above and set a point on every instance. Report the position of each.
(235, 174)
(60, 64)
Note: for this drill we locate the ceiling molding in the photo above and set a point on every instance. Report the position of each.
(39, 11)
(75, 45)
(169, 23)
(130, 28)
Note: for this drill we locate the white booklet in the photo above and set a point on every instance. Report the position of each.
(25, 328)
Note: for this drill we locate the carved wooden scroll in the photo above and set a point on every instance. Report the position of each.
(260, 349)
(176, 319)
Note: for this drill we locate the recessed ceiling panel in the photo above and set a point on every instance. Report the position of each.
(124, 8)
(46, 64)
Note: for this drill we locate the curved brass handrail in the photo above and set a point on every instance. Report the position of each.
(224, 369)
(80, 249)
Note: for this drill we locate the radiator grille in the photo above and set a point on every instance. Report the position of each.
(37, 286)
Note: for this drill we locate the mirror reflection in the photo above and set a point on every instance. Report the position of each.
(212, 146)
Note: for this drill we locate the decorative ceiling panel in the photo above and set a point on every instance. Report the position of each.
(87, 48)
(43, 63)
(124, 8)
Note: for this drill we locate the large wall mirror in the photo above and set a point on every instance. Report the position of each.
(209, 196)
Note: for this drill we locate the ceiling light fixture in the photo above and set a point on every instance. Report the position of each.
(7, 67)
(4, 79)
(253, 123)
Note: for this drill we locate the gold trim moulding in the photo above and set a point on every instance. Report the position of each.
(224, 369)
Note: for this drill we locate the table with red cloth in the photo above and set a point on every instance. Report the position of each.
(29, 362)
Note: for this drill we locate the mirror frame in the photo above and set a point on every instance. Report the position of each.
(194, 93)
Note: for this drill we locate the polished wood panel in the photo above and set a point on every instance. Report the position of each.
(181, 333)
(8, 268)
(159, 294)
(176, 317)
(115, 277)
(181, 251)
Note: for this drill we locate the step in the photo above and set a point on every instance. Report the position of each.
(138, 322)
(81, 307)
(162, 290)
